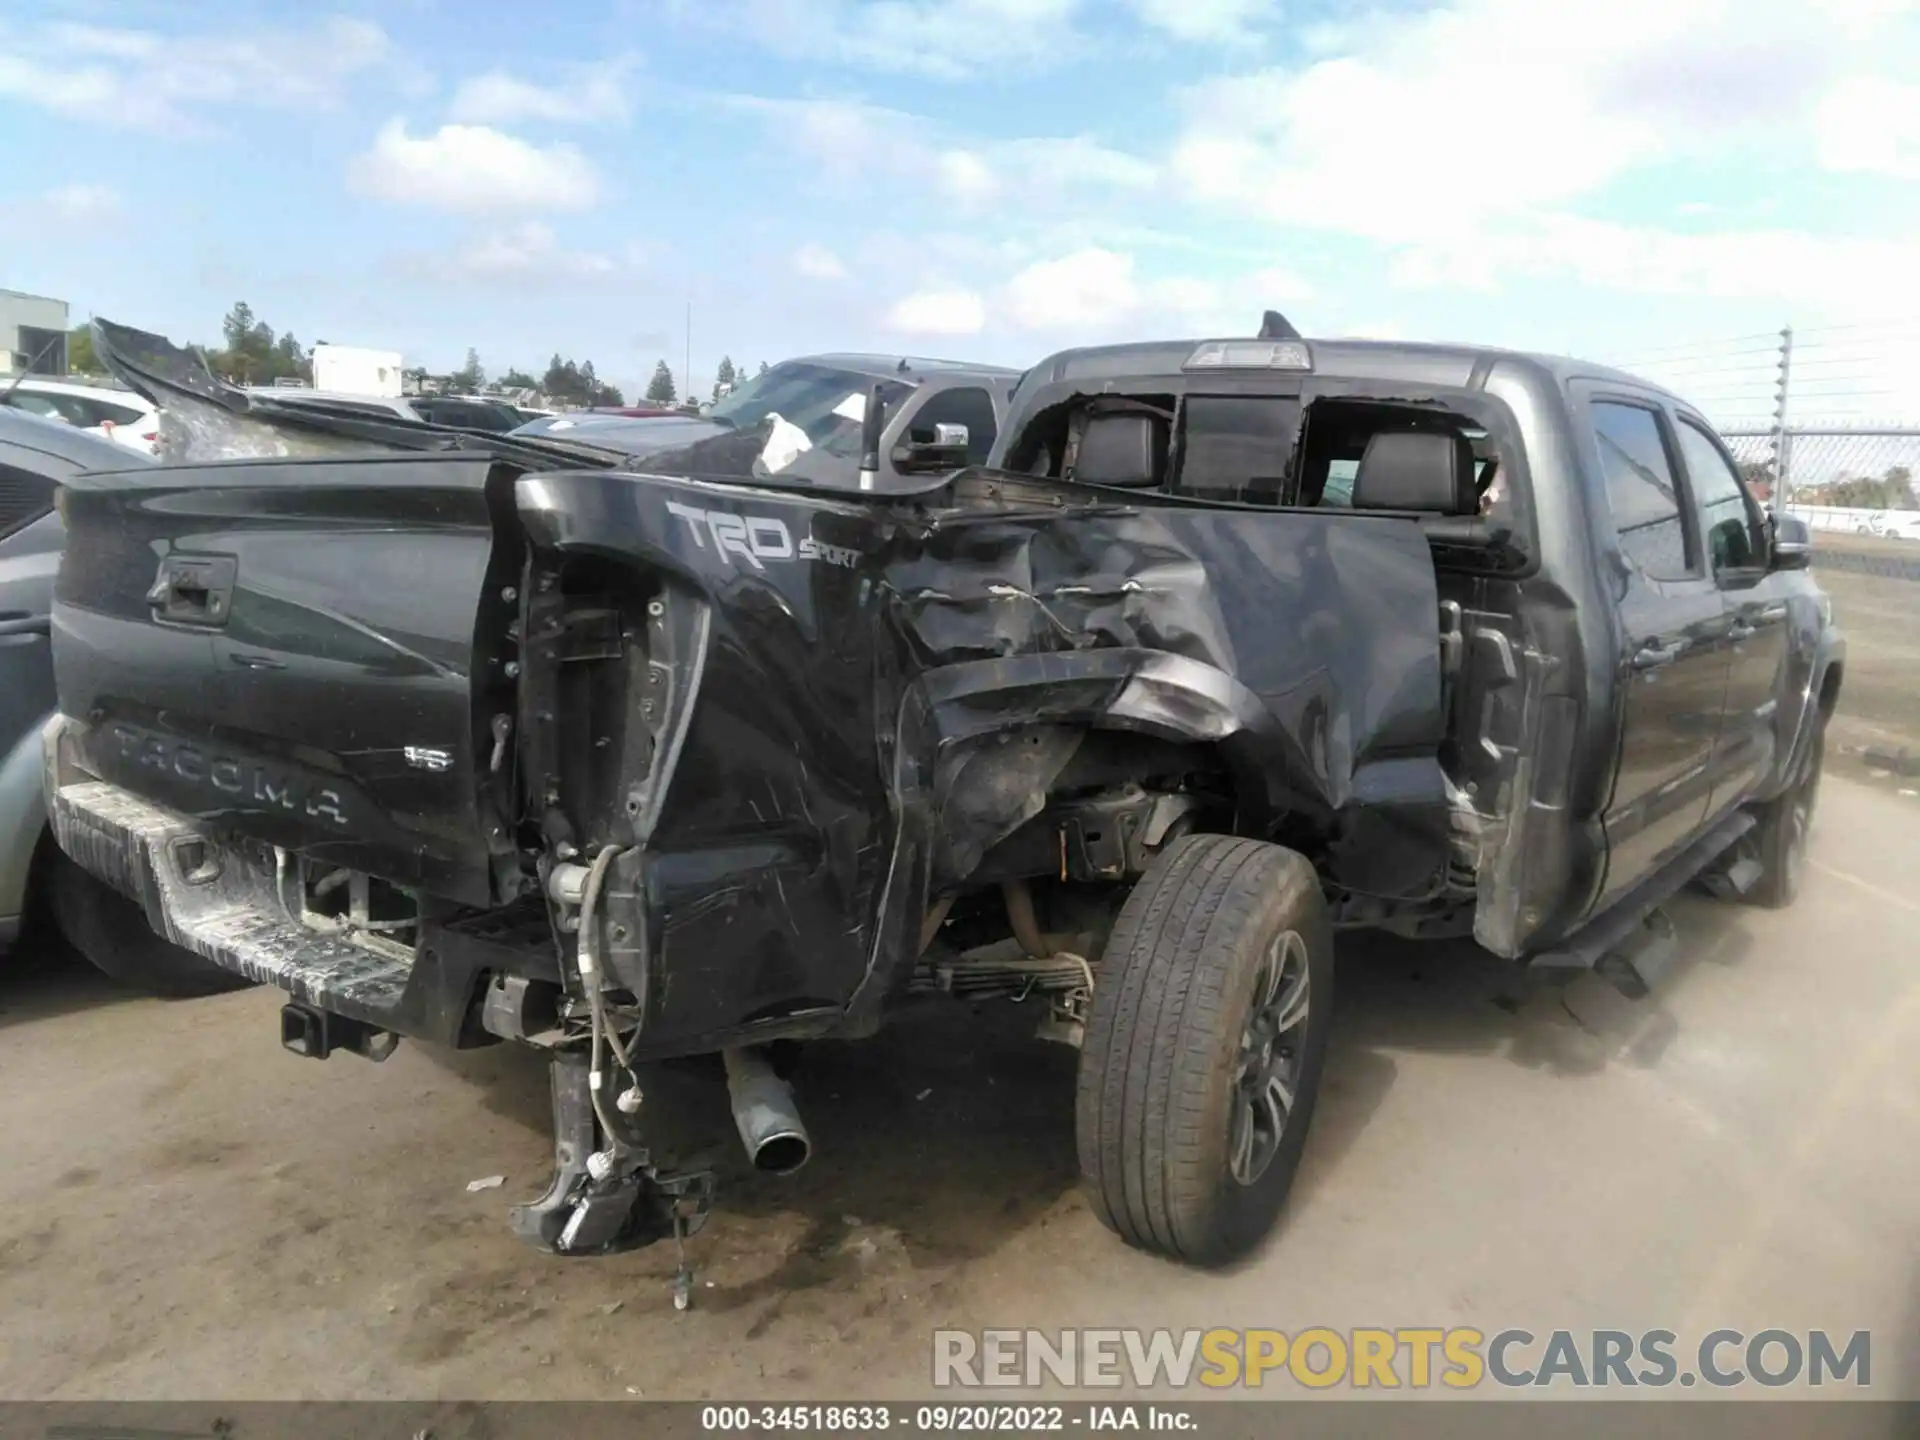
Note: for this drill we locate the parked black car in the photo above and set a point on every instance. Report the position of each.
(1235, 644)
(35, 456)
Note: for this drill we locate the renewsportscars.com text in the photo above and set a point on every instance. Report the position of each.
(1407, 1358)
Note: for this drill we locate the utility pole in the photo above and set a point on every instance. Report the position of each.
(1782, 442)
(687, 391)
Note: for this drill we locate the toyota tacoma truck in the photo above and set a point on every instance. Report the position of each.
(1233, 645)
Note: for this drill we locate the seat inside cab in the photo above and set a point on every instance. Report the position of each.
(1270, 450)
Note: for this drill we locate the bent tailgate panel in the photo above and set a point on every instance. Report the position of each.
(326, 704)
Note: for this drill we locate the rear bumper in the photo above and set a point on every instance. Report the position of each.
(218, 896)
(227, 914)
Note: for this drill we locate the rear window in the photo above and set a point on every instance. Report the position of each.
(467, 414)
(24, 497)
(1236, 447)
(84, 411)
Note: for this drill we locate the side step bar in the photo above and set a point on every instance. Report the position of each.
(1632, 943)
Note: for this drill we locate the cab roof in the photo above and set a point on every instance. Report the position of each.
(906, 368)
(1451, 366)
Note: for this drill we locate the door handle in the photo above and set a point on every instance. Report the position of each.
(193, 590)
(1652, 655)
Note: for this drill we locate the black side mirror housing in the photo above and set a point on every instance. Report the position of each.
(944, 447)
(1792, 544)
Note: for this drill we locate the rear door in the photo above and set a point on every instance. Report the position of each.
(1672, 638)
(1733, 531)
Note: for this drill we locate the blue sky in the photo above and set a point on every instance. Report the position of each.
(991, 179)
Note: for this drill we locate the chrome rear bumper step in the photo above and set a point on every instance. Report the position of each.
(219, 903)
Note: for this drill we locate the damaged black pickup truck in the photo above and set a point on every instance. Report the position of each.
(1236, 644)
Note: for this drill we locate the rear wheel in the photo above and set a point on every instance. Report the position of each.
(112, 933)
(1204, 1048)
(1784, 825)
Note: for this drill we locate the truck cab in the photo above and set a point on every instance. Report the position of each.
(1635, 651)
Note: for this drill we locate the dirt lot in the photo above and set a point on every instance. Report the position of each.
(187, 1210)
(1881, 615)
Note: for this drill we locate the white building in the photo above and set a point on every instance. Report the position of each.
(33, 334)
(353, 370)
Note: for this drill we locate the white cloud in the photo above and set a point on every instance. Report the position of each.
(1203, 20)
(1280, 285)
(1373, 330)
(1871, 125)
(1076, 292)
(591, 93)
(473, 169)
(862, 145)
(525, 255)
(527, 249)
(1370, 140)
(1095, 293)
(938, 312)
(817, 262)
(1363, 141)
(141, 79)
(1827, 272)
(1073, 162)
(965, 176)
(847, 139)
(81, 203)
(937, 39)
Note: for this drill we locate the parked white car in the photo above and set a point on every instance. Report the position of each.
(120, 415)
(1888, 524)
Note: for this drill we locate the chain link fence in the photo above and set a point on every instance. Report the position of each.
(1823, 420)
(1855, 467)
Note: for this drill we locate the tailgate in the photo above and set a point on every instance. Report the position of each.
(289, 649)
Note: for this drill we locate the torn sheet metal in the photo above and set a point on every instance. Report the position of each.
(886, 689)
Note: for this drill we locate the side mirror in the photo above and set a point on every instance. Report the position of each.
(1792, 543)
(942, 448)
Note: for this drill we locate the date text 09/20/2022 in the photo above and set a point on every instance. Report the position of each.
(945, 1419)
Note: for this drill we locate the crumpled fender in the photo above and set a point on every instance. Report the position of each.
(862, 655)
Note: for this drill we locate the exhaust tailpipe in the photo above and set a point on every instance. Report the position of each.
(763, 1108)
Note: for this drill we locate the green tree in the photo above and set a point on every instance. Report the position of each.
(469, 377)
(518, 380)
(660, 388)
(288, 359)
(1899, 485)
(724, 377)
(763, 367)
(80, 357)
(248, 356)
